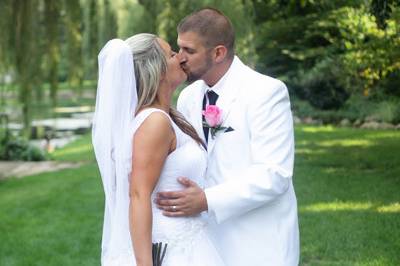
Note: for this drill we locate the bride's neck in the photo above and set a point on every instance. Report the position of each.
(163, 100)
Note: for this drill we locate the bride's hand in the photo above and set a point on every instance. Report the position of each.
(187, 202)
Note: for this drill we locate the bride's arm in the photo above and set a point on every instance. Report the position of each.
(151, 144)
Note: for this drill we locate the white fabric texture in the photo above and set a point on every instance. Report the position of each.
(113, 127)
(187, 238)
(250, 193)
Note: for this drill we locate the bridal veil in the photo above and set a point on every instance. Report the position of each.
(112, 133)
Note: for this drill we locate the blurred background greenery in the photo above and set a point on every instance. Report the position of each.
(339, 58)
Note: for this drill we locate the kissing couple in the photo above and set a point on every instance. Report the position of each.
(210, 181)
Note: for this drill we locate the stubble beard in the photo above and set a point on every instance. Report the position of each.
(199, 74)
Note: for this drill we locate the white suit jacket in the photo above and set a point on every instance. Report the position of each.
(250, 195)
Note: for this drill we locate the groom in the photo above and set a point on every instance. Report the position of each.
(250, 194)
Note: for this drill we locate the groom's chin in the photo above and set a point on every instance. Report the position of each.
(190, 79)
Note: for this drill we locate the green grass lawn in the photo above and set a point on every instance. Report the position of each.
(54, 218)
(347, 183)
(348, 189)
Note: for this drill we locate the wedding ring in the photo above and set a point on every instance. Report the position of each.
(174, 208)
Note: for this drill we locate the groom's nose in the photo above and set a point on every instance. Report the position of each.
(182, 56)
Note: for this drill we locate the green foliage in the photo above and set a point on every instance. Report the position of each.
(303, 109)
(390, 84)
(171, 12)
(372, 56)
(47, 41)
(382, 10)
(23, 16)
(357, 107)
(324, 50)
(73, 25)
(162, 17)
(90, 41)
(387, 111)
(108, 25)
(17, 149)
(133, 18)
(322, 85)
(52, 21)
(305, 34)
(363, 108)
(5, 42)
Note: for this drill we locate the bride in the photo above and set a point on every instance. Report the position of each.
(142, 145)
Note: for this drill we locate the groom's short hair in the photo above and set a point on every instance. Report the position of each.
(213, 27)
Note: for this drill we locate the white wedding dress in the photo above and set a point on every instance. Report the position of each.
(187, 238)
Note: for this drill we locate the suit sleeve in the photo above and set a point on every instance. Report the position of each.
(269, 175)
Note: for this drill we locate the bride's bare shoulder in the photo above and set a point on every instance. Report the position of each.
(156, 129)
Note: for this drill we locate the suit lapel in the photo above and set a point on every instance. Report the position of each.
(197, 108)
(225, 104)
(225, 101)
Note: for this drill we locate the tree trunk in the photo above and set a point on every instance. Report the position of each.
(23, 63)
(73, 23)
(52, 14)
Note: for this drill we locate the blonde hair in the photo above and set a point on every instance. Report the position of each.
(150, 65)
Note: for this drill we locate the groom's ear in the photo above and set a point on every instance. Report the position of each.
(220, 53)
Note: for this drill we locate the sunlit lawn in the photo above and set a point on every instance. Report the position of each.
(80, 150)
(53, 218)
(347, 183)
(348, 188)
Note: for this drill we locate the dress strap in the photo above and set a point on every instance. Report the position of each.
(142, 115)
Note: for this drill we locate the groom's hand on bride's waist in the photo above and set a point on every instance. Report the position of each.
(187, 202)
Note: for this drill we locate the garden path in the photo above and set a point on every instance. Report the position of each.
(20, 169)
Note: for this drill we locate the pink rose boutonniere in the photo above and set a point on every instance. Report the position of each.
(213, 117)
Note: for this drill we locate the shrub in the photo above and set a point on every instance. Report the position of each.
(15, 149)
(387, 111)
(322, 86)
(302, 108)
(358, 107)
(391, 84)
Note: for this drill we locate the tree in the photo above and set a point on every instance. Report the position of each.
(109, 25)
(6, 39)
(73, 26)
(153, 8)
(382, 10)
(299, 41)
(166, 14)
(23, 16)
(52, 22)
(91, 38)
(5, 47)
